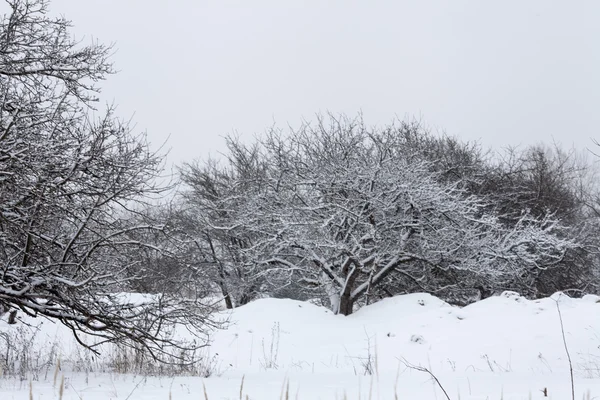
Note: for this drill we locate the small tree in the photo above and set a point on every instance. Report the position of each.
(219, 213)
(71, 186)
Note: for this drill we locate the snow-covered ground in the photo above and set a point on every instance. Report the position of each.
(504, 347)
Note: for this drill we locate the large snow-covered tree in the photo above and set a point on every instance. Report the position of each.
(342, 207)
(72, 183)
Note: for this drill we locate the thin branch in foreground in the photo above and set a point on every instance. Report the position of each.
(562, 330)
(431, 374)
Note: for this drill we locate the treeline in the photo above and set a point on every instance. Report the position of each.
(346, 214)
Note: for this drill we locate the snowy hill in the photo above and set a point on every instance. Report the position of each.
(503, 346)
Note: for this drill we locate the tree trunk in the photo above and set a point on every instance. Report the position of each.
(221, 271)
(346, 299)
(12, 317)
(346, 304)
(227, 297)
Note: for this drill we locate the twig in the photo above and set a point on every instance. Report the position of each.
(134, 388)
(204, 391)
(562, 330)
(423, 369)
(242, 388)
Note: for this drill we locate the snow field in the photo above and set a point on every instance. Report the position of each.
(504, 347)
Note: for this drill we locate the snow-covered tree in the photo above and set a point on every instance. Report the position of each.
(219, 212)
(342, 207)
(71, 189)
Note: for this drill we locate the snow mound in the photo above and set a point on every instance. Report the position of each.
(501, 333)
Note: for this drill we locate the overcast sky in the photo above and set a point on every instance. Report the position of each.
(502, 72)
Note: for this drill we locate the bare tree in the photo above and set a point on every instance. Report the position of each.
(220, 216)
(343, 207)
(541, 180)
(547, 180)
(70, 187)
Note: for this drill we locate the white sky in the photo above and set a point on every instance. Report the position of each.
(503, 72)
